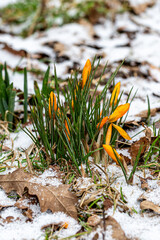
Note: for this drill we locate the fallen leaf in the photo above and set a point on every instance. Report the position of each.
(149, 205)
(29, 214)
(126, 159)
(50, 225)
(157, 124)
(131, 124)
(144, 184)
(4, 148)
(96, 237)
(107, 204)
(117, 232)
(25, 202)
(50, 197)
(93, 220)
(141, 7)
(5, 206)
(141, 198)
(8, 219)
(144, 114)
(136, 146)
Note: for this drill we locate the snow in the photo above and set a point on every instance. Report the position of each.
(138, 42)
(20, 229)
(48, 177)
(4, 3)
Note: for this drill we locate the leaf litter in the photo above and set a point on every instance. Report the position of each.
(128, 38)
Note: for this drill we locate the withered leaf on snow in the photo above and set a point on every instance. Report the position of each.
(150, 205)
(107, 204)
(144, 184)
(144, 141)
(50, 197)
(144, 114)
(141, 7)
(117, 232)
(93, 220)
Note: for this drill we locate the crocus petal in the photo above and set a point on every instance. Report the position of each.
(86, 72)
(103, 121)
(52, 99)
(67, 130)
(101, 113)
(109, 134)
(112, 153)
(119, 112)
(122, 132)
(115, 94)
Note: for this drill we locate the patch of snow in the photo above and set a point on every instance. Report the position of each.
(138, 2)
(136, 225)
(100, 232)
(4, 3)
(47, 178)
(21, 140)
(4, 200)
(15, 230)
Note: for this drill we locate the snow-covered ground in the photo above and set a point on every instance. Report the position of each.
(135, 38)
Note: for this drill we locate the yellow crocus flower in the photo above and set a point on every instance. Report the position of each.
(109, 134)
(118, 113)
(122, 132)
(115, 94)
(86, 72)
(52, 100)
(112, 153)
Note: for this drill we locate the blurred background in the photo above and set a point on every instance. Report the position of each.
(38, 33)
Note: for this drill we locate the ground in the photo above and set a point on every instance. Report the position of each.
(133, 209)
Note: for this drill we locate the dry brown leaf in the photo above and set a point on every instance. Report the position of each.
(60, 48)
(96, 237)
(29, 214)
(139, 8)
(4, 148)
(141, 198)
(107, 204)
(50, 197)
(149, 205)
(93, 220)
(144, 114)
(24, 203)
(144, 184)
(88, 25)
(8, 219)
(157, 124)
(5, 206)
(131, 124)
(126, 159)
(117, 232)
(136, 146)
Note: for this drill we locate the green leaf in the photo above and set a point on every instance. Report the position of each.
(25, 103)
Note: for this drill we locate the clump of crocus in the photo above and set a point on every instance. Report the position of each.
(117, 114)
(86, 72)
(52, 101)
